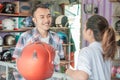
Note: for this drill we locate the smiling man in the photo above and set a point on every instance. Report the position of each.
(42, 19)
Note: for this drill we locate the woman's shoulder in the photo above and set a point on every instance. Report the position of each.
(86, 51)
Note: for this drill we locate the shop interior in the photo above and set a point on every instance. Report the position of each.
(68, 20)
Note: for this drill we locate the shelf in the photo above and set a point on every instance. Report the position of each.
(118, 16)
(63, 28)
(65, 61)
(116, 60)
(68, 44)
(25, 29)
(114, 0)
(4, 46)
(114, 78)
(19, 30)
(8, 64)
(15, 15)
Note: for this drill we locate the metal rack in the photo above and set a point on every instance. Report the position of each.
(4, 67)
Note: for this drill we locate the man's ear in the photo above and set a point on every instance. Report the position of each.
(34, 20)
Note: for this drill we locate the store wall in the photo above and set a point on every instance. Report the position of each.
(104, 9)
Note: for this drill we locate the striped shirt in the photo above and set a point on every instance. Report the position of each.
(91, 61)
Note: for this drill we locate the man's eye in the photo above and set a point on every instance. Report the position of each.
(41, 17)
(49, 16)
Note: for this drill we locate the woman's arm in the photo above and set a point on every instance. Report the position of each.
(77, 74)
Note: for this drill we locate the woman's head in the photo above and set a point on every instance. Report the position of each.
(103, 33)
(98, 25)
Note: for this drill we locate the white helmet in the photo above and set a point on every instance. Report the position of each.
(8, 24)
(62, 21)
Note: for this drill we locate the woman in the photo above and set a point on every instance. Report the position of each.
(94, 61)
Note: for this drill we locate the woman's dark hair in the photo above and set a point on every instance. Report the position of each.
(103, 33)
(37, 5)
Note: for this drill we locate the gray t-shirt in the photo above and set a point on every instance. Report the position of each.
(91, 61)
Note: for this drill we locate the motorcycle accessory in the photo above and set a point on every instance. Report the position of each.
(9, 40)
(38, 58)
(5, 55)
(9, 8)
(8, 24)
(62, 21)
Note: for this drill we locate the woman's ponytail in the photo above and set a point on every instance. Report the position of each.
(109, 43)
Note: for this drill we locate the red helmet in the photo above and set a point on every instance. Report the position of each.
(36, 61)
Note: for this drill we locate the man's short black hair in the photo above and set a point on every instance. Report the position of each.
(39, 5)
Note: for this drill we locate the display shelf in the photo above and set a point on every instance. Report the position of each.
(15, 15)
(65, 62)
(29, 28)
(5, 46)
(60, 28)
(114, 0)
(8, 64)
(8, 46)
(114, 78)
(19, 30)
(116, 16)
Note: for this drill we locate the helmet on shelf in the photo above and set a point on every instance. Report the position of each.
(8, 24)
(9, 40)
(63, 36)
(5, 55)
(62, 21)
(38, 58)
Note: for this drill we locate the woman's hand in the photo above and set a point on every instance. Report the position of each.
(77, 74)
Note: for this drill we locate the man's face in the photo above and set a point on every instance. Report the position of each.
(42, 19)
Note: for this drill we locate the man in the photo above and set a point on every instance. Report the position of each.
(42, 19)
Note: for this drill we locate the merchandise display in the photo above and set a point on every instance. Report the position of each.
(63, 36)
(62, 21)
(8, 24)
(9, 39)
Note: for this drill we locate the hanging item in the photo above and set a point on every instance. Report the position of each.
(38, 58)
(62, 21)
(90, 9)
(8, 24)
